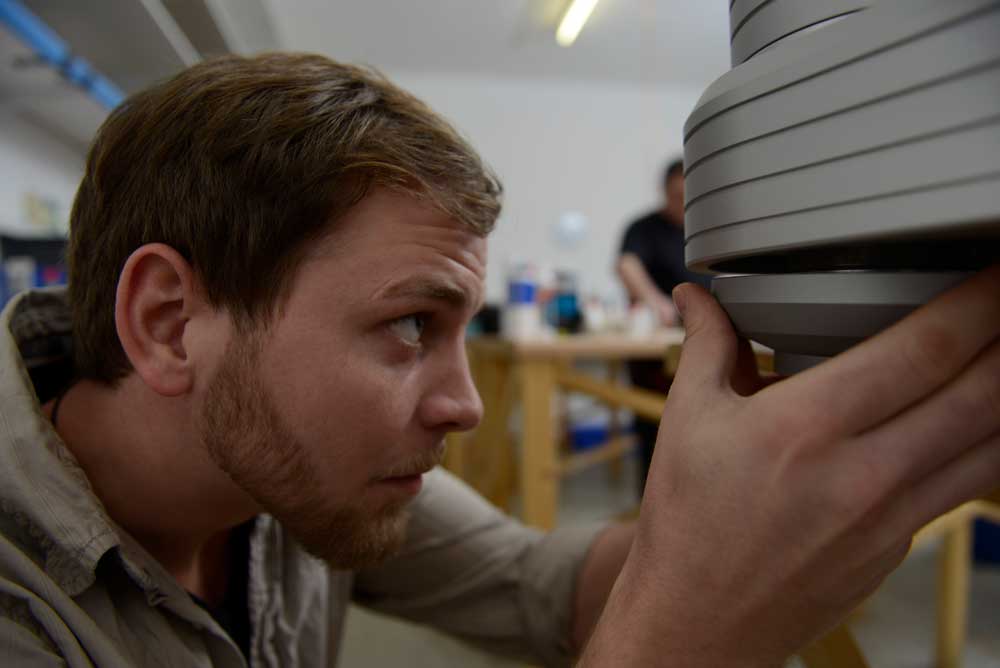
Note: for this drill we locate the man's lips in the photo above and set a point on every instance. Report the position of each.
(408, 475)
(408, 472)
(405, 483)
(416, 466)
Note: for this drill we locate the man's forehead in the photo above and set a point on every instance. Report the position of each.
(386, 217)
(434, 287)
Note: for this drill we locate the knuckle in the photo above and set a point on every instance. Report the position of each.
(805, 429)
(781, 433)
(849, 511)
(979, 397)
(864, 488)
(931, 354)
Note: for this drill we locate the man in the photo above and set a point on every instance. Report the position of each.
(651, 262)
(651, 265)
(272, 264)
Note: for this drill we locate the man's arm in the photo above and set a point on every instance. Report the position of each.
(597, 575)
(773, 509)
(20, 646)
(475, 573)
(642, 288)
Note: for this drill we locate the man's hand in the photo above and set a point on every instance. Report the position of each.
(772, 509)
(642, 288)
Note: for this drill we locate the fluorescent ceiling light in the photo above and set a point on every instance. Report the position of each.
(573, 20)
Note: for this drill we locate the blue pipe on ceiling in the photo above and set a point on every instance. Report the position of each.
(54, 51)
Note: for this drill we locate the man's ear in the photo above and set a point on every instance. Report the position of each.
(158, 292)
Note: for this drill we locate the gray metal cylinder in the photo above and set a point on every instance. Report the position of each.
(806, 318)
(754, 25)
(849, 136)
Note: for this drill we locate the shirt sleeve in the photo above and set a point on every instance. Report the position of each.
(473, 572)
(635, 242)
(21, 647)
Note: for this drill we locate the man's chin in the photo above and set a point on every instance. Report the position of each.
(350, 540)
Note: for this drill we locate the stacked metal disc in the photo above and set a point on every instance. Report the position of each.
(847, 168)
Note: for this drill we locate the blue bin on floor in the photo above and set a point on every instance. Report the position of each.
(587, 434)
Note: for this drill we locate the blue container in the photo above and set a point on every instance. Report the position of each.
(587, 435)
(521, 292)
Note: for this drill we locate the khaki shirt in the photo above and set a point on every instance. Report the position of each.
(76, 589)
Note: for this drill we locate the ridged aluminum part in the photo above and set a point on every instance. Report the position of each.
(848, 166)
(882, 125)
(808, 317)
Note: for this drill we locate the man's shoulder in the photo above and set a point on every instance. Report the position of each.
(646, 220)
(25, 640)
(651, 224)
(446, 496)
(19, 537)
(644, 232)
(31, 599)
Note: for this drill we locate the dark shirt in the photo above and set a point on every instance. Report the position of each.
(659, 245)
(233, 613)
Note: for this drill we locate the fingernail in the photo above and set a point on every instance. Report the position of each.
(680, 300)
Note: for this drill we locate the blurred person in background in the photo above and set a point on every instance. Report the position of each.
(651, 265)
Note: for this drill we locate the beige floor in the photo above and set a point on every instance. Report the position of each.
(895, 631)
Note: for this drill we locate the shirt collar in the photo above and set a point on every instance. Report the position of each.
(44, 490)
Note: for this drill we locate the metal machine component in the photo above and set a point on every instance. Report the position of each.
(849, 163)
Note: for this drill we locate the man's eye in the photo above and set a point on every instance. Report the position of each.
(409, 328)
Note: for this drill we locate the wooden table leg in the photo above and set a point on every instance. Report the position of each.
(837, 649)
(615, 466)
(488, 448)
(539, 450)
(953, 593)
(504, 461)
(456, 457)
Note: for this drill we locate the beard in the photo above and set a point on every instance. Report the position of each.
(247, 438)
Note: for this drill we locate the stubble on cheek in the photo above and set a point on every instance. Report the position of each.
(245, 436)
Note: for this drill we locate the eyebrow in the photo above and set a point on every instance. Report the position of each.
(427, 288)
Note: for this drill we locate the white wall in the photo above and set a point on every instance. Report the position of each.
(596, 148)
(32, 161)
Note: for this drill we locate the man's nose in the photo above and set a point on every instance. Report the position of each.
(453, 404)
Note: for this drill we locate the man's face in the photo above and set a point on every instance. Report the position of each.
(329, 416)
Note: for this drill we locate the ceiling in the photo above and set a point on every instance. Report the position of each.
(132, 43)
(137, 42)
(34, 92)
(683, 42)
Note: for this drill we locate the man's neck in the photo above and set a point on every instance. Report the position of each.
(673, 214)
(146, 463)
(203, 571)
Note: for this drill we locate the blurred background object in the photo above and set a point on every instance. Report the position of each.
(579, 131)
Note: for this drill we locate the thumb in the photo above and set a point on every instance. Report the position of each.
(711, 348)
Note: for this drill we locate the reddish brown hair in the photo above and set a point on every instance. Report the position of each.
(237, 163)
